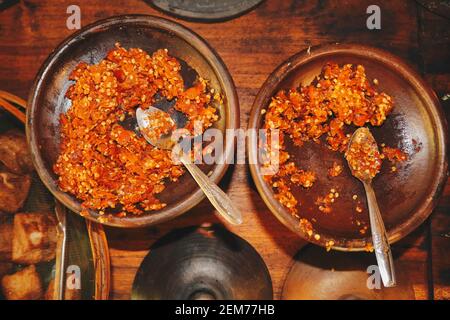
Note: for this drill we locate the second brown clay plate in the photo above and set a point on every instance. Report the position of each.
(416, 126)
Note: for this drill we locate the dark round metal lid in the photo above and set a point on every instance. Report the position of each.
(335, 275)
(202, 263)
(205, 10)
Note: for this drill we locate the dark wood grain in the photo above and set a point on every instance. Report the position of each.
(434, 43)
(252, 46)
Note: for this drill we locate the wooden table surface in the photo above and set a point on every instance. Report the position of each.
(252, 46)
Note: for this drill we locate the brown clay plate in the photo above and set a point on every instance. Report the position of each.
(91, 44)
(416, 126)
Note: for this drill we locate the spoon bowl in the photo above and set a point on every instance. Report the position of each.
(362, 137)
(142, 117)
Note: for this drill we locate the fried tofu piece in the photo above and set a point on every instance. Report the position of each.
(50, 292)
(5, 268)
(14, 153)
(34, 238)
(69, 294)
(5, 241)
(72, 294)
(22, 285)
(14, 190)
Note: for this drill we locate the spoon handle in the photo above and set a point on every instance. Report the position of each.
(380, 240)
(216, 196)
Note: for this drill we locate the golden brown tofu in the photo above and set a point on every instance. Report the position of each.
(49, 294)
(5, 241)
(13, 190)
(22, 285)
(69, 294)
(14, 152)
(34, 238)
(72, 294)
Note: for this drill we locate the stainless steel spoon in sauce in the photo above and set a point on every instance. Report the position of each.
(363, 159)
(216, 196)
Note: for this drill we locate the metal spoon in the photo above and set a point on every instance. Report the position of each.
(60, 212)
(216, 196)
(379, 237)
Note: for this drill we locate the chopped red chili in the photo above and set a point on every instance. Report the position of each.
(100, 162)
